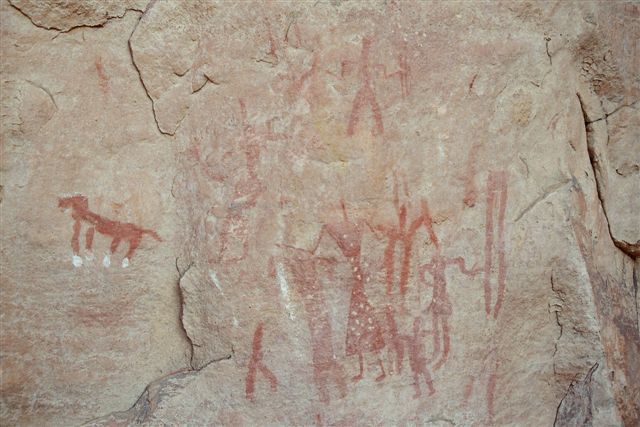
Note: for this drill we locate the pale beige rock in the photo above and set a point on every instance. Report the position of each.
(65, 15)
(81, 341)
(372, 213)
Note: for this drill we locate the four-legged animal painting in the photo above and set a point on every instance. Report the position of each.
(118, 231)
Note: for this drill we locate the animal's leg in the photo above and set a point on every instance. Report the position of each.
(133, 245)
(114, 245)
(75, 244)
(89, 243)
(75, 239)
(106, 261)
(361, 363)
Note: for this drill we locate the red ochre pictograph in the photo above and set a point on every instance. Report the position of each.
(119, 231)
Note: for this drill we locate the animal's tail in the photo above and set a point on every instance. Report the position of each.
(153, 234)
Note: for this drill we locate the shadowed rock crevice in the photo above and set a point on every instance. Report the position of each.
(153, 395)
(181, 274)
(575, 408)
(596, 140)
(135, 66)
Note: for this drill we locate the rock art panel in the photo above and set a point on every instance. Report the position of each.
(330, 213)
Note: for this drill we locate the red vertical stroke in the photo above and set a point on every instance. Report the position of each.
(502, 266)
(256, 364)
(488, 246)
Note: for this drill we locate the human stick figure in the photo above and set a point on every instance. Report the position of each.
(256, 364)
(440, 306)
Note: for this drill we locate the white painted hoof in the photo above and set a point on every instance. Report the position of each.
(125, 263)
(106, 261)
(77, 261)
(89, 256)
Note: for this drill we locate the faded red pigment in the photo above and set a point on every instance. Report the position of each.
(326, 369)
(246, 193)
(103, 79)
(470, 190)
(418, 358)
(364, 334)
(119, 231)
(395, 340)
(405, 236)
(256, 364)
(440, 306)
(365, 95)
(489, 376)
(494, 235)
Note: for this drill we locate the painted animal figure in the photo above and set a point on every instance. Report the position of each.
(119, 231)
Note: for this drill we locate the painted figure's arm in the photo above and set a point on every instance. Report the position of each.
(379, 230)
(315, 247)
(423, 269)
(459, 261)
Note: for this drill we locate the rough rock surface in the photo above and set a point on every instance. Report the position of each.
(320, 213)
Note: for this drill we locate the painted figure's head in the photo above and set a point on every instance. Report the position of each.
(73, 202)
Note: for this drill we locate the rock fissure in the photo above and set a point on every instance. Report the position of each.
(181, 312)
(636, 279)
(45, 90)
(152, 395)
(135, 66)
(616, 110)
(575, 408)
(545, 193)
(74, 27)
(556, 308)
(627, 248)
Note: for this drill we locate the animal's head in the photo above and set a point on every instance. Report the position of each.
(73, 202)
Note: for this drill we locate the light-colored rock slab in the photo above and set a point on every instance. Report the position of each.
(320, 213)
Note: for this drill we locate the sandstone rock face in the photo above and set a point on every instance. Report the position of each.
(329, 213)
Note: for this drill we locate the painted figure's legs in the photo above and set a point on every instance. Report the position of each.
(88, 242)
(75, 244)
(361, 363)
